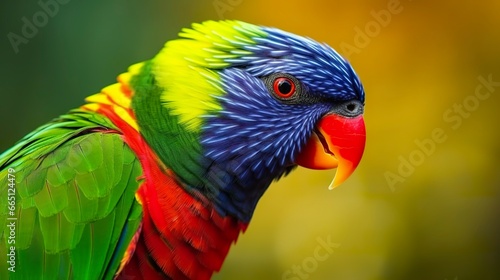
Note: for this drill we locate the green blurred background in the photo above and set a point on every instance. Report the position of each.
(419, 62)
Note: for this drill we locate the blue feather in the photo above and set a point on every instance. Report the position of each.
(255, 138)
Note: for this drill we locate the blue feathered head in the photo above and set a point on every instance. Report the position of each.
(259, 101)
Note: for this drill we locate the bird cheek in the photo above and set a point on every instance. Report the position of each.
(337, 142)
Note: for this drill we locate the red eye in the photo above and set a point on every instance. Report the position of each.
(284, 87)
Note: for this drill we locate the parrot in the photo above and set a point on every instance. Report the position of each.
(156, 175)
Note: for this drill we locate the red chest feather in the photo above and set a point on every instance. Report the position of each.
(182, 235)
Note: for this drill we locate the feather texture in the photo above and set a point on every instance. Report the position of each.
(76, 182)
(157, 175)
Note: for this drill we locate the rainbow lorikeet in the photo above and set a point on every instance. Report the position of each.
(157, 175)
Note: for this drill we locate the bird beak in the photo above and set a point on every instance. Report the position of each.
(337, 142)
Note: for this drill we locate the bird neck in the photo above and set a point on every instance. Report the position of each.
(182, 235)
(180, 149)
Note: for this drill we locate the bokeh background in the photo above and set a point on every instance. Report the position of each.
(419, 61)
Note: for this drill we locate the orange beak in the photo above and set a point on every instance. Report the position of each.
(337, 142)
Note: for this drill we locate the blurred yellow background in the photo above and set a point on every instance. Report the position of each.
(425, 200)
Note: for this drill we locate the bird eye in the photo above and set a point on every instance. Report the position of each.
(284, 87)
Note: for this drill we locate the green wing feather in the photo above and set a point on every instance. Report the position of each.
(75, 200)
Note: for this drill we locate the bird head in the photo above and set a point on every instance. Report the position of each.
(257, 102)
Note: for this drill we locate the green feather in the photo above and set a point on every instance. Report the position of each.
(160, 125)
(80, 208)
(27, 220)
(50, 200)
(75, 191)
